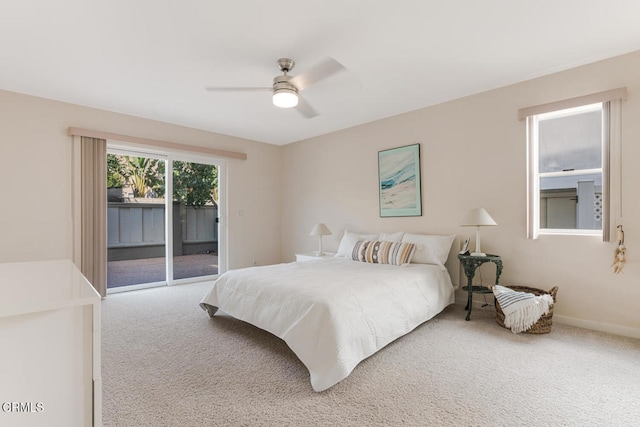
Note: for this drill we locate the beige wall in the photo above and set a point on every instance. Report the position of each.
(36, 174)
(473, 154)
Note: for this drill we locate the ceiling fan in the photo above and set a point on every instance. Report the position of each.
(286, 88)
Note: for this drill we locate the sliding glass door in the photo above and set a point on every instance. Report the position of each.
(162, 220)
(136, 248)
(195, 219)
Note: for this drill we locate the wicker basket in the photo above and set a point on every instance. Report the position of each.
(543, 325)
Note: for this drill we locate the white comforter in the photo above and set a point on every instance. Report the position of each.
(333, 313)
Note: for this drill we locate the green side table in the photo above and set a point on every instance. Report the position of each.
(470, 264)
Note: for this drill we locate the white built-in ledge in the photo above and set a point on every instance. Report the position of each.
(50, 338)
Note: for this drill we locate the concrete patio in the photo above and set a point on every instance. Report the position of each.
(149, 270)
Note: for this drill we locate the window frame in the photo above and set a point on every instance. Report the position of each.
(534, 231)
(169, 155)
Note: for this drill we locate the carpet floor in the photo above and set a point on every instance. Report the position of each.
(166, 363)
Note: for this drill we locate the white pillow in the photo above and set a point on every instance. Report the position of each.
(430, 249)
(349, 240)
(392, 237)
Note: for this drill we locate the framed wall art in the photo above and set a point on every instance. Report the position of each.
(399, 181)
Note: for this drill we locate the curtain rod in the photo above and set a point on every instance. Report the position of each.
(154, 142)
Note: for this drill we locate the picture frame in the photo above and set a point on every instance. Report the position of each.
(399, 181)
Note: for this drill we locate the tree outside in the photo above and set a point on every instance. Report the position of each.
(143, 175)
(195, 184)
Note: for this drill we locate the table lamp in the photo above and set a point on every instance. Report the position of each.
(477, 217)
(320, 230)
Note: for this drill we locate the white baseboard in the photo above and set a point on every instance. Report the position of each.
(624, 331)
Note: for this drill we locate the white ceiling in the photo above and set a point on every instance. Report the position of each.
(152, 58)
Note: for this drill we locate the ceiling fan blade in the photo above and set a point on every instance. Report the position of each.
(305, 108)
(237, 89)
(321, 71)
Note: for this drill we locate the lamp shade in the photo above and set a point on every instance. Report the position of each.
(477, 217)
(285, 98)
(320, 229)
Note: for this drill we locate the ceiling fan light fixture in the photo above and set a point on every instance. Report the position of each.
(285, 98)
(285, 88)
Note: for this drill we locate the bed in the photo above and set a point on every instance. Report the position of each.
(334, 312)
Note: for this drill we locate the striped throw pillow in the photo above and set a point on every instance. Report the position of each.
(383, 252)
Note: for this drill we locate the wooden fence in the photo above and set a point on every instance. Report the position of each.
(137, 230)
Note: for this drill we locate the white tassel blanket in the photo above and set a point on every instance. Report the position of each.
(521, 309)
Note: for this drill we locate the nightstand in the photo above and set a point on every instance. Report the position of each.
(308, 256)
(470, 264)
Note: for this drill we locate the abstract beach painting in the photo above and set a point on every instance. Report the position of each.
(399, 181)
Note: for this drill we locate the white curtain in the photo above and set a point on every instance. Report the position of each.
(93, 196)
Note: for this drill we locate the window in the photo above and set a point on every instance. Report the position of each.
(573, 165)
(568, 168)
(568, 155)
